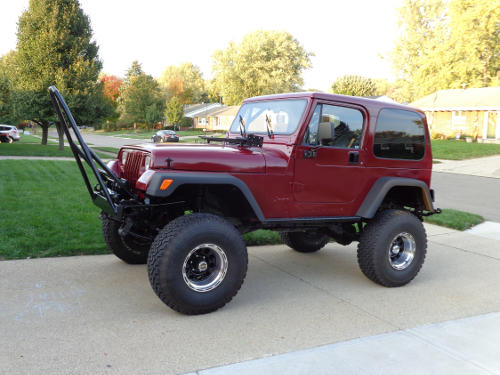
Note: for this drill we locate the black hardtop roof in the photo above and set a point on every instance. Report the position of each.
(365, 102)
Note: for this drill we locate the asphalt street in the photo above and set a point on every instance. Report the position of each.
(479, 195)
(106, 140)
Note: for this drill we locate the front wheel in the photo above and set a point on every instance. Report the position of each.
(197, 263)
(392, 248)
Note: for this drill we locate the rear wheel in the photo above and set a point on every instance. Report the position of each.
(392, 248)
(127, 248)
(305, 242)
(197, 263)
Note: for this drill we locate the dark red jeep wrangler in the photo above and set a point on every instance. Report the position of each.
(314, 167)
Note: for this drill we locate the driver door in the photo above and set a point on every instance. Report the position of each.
(329, 171)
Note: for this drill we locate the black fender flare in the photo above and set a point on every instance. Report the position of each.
(381, 187)
(200, 178)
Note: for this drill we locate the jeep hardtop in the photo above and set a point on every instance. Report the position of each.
(314, 167)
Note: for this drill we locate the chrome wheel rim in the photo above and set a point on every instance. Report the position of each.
(402, 251)
(204, 267)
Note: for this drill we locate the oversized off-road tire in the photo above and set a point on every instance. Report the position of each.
(392, 248)
(305, 242)
(126, 248)
(197, 263)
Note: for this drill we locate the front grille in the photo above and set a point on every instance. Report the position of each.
(133, 166)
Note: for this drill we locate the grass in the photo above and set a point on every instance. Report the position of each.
(36, 224)
(46, 211)
(455, 219)
(29, 149)
(262, 237)
(31, 139)
(31, 146)
(112, 150)
(459, 150)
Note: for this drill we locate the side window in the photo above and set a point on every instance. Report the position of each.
(399, 134)
(347, 122)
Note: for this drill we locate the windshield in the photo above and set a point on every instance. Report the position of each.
(283, 116)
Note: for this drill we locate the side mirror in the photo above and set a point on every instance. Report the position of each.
(326, 132)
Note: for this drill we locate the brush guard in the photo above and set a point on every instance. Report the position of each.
(110, 189)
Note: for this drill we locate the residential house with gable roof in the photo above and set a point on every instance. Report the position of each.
(473, 112)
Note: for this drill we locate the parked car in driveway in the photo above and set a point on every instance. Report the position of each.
(165, 136)
(9, 134)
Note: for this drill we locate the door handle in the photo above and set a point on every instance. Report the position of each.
(353, 157)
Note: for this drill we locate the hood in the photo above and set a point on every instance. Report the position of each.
(205, 157)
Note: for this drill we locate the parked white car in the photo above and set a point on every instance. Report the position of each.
(9, 133)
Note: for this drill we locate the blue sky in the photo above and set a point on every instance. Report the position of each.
(347, 37)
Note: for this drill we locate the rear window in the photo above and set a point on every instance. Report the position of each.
(3, 128)
(399, 134)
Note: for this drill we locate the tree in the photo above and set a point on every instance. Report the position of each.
(7, 73)
(174, 112)
(264, 62)
(140, 97)
(111, 90)
(184, 82)
(354, 85)
(474, 58)
(54, 47)
(111, 86)
(447, 44)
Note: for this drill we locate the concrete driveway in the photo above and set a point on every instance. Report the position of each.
(95, 314)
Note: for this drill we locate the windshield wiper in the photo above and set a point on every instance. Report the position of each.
(242, 127)
(269, 126)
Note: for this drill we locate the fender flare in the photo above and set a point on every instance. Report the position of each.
(201, 178)
(382, 186)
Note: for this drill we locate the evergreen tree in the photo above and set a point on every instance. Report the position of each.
(174, 112)
(140, 99)
(55, 47)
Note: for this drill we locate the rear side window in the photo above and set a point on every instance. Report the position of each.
(399, 134)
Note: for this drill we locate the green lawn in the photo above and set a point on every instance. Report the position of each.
(455, 219)
(31, 146)
(29, 149)
(32, 139)
(112, 150)
(46, 211)
(459, 150)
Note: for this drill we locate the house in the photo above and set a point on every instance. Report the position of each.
(199, 110)
(219, 118)
(473, 112)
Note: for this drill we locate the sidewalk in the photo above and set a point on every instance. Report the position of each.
(484, 167)
(95, 314)
(464, 346)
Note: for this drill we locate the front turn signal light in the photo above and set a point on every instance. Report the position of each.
(165, 184)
